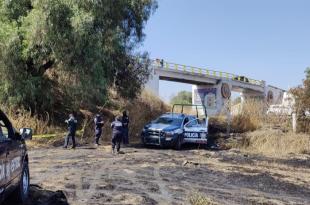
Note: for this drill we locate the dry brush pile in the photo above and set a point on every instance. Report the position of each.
(275, 142)
(255, 131)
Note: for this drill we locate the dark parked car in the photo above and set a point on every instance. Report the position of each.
(14, 170)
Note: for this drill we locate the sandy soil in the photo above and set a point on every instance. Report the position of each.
(162, 176)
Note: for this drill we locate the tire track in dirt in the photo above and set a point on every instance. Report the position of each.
(165, 195)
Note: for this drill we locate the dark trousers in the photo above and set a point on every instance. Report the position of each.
(72, 136)
(97, 136)
(125, 136)
(116, 141)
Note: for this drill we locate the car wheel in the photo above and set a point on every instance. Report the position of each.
(22, 191)
(178, 144)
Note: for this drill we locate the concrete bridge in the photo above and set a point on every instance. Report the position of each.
(212, 88)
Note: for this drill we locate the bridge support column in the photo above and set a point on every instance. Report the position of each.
(211, 96)
(153, 83)
(250, 96)
(274, 95)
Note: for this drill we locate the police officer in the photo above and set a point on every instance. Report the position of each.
(1, 133)
(117, 134)
(98, 128)
(125, 121)
(72, 124)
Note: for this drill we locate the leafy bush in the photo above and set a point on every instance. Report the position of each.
(302, 98)
(60, 54)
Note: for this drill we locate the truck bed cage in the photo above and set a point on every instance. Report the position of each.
(190, 105)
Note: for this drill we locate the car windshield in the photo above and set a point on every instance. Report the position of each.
(169, 121)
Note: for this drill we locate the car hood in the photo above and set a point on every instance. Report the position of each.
(162, 127)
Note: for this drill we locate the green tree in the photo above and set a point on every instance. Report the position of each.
(307, 73)
(183, 97)
(302, 95)
(69, 52)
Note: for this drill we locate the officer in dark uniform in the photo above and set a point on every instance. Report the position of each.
(117, 134)
(72, 124)
(1, 133)
(125, 121)
(98, 128)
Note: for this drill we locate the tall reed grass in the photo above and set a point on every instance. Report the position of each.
(275, 142)
(23, 118)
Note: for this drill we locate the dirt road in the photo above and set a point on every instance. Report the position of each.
(155, 176)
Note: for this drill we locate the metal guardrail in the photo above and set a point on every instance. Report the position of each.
(204, 72)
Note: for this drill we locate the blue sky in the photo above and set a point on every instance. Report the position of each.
(262, 39)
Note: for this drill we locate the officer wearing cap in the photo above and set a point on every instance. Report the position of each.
(72, 125)
(98, 128)
(117, 134)
(125, 121)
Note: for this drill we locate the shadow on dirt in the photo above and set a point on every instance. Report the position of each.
(251, 159)
(212, 146)
(295, 162)
(39, 196)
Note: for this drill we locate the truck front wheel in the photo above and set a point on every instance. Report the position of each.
(22, 191)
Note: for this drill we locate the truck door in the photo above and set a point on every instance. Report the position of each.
(195, 131)
(3, 157)
(2, 165)
(14, 160)
(191, 130)
(13, 153)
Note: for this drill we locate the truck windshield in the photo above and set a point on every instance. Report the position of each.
(169, 121)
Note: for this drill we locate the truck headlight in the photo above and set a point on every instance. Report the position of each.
(169, 133)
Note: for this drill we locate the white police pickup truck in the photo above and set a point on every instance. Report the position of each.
(14, 170)
(177, 128)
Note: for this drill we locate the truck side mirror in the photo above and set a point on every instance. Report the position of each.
(26, 133)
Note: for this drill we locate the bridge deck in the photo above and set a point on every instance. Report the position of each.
(189, 74)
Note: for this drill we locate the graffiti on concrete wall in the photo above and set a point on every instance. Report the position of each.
(206, 96)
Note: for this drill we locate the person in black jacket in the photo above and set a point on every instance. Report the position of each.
(117, 134)
(72, 125)
(98, 128)
(125, 121)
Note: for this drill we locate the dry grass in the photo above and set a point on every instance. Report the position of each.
(141, 111)
(218, 124)
(22, 118)
(303, 124)
(250, 118)
(198, 199)
(275, 142)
